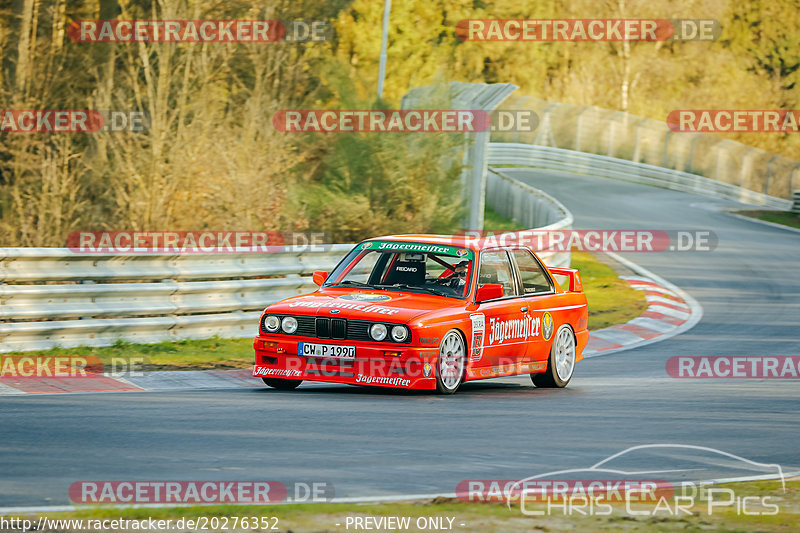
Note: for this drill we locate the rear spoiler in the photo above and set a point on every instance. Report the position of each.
(574, 276)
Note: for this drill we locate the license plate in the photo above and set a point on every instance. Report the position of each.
(312, 349)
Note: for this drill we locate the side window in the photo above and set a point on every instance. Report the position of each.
(534, 279)
(495, 268)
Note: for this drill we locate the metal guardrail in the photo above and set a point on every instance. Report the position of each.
(56, 297)
(526, 205)
(559, 159)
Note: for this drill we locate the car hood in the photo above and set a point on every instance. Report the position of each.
(391, 306)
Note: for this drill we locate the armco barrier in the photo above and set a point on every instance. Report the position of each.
(559, 159)
(56, 297)
(527, 205)
(53, 296)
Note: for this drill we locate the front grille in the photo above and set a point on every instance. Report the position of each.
(359, 330)
(305, 326)
(331, 328)
(338, 328)
(324, 328)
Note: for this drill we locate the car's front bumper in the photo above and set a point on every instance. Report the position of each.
(393, 365)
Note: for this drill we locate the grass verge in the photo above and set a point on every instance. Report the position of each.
(784, 218)
(611, 299)
(204, 354)
(773, 510)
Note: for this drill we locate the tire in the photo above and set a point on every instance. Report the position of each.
(452, 363)
(561, 363)
(282, 384)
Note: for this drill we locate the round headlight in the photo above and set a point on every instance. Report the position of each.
(378, 332)
(271, 323)
(399, 333)
(289, 324)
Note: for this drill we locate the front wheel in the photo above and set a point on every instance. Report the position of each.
(561, 363)
(282, 384)
(452, 363)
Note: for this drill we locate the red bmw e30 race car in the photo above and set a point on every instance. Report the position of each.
(427, 312)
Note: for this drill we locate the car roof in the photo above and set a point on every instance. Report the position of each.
(462, 241)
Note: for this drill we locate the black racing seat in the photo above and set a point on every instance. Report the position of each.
(407, 273)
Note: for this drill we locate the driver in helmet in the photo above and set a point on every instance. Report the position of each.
(459, 276)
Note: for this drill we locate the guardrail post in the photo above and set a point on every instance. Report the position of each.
(579, 128)
(769, 169)
(612, 124)
(746, 162)
(690, 165)
(791, 181)
(719, 147)
(666, 149)
(520, 105)
(637, 149)
(545, 136)
(796, 204)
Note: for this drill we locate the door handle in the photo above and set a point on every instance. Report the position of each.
(524, 309)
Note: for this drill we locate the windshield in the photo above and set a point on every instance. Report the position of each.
(405, 266)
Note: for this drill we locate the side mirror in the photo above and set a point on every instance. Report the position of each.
(319, 277)
(490, 291)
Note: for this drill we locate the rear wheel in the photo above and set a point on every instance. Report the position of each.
(561, 364)
(282, 384)
(452, 363)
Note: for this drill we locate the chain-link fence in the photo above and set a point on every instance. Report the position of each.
(634, 138)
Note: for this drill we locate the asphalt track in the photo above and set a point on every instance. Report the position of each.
(372, 443)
